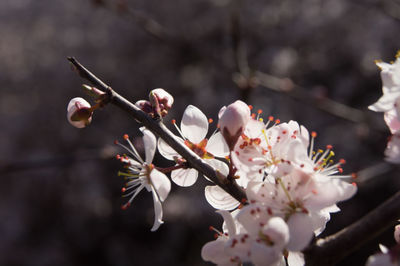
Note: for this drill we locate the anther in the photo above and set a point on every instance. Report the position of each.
(329, 147)
(314, 134)
(126, 136)
(259, 111)
(173, 121)
(210, 120)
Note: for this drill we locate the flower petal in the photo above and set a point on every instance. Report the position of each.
(166, 151)
(149, 142)
(219, 199)
(214, 251)
(194, 124)
(158, 212)
(184, 177)
(217, 146)
(301, 231)
(229, 222)
(262, 254)
(296, 259)
(160, 183)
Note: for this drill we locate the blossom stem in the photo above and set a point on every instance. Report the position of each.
(158, 128)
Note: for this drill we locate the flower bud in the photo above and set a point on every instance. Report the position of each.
(164, 99)
(233, 120)
(79, 112)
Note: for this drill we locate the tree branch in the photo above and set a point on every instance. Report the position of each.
(161, 131)
(334, 248)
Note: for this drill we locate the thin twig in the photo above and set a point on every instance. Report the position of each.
(163, 132)
(334, 248)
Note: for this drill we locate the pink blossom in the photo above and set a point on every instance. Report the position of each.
(79, 112)
(233, 120)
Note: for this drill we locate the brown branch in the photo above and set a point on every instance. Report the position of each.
(163, 132)
(334, 248)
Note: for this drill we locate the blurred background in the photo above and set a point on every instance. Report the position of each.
(60, 196)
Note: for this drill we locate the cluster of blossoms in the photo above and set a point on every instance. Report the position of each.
(389, 103)
(291, 188)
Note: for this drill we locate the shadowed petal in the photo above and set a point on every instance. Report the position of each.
(184, 177)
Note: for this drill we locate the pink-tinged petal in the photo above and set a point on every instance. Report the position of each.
(149, 142)
(214, 251)
(184, 177)
(160, 183)
(219, 199)
(301, 231)
(263, 255)
(217, 146)
(158, 212)
(194, 124)
(253, 217)
(166, 151)
(296, 259)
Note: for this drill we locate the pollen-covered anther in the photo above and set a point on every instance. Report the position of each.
(116, 142)
(123, 190)
(251, 107)
(314, 134)
(259, 111)
(271, 118)
(354, 175)
(277, 121)
(329, 147)
(126, 136)
(342, 161)
(173, 121)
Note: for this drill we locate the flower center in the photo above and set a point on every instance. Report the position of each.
(199, 149)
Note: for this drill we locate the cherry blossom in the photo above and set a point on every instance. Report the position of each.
(193, 129)
(143, 174)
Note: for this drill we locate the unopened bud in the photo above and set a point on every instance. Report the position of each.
(163, 97)
(79, 112)
(233, 120)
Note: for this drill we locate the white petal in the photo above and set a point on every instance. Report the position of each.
(229, 222)
(219, 199)
(296, 259)
(166, 151)
(149, 142)
(218, 166)
(301, 231)
(278, 231)
(184, 177)
(194, 124)
(158, 212)
(217, 146)
(385, 103)
(252, 219)
(214, 251)
(263, 255)
(161, 183)
(380, 260)
(239, 246)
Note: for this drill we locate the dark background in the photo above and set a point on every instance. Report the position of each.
(59, 190)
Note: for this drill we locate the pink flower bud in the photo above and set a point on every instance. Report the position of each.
(233, 120)
(165, 100)
(79, 112)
